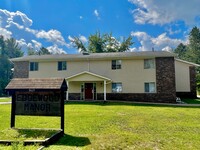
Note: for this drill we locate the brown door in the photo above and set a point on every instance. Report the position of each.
(88, 90)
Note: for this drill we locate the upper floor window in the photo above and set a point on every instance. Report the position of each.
(116, 87)
(62, 65)
(149, 63)
(149, 87)
(116, 64)
(33, 66)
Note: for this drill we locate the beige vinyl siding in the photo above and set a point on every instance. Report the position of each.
(182, 75)
(132, 74)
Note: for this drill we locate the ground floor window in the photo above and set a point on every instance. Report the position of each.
(116, 87)
(149, 87)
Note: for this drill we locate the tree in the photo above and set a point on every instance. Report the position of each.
(31, 51)
(42, 51)
(9, 48)
(78, 44)
(12, 48)
(181, 51)
(193, 52)
(98, 43)
(2, 45)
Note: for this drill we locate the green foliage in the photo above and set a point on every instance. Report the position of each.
(9, 48)
(79, 44)
(42, 51)
(102, 43)
(191, 52)
(181, 51)
(12, 49)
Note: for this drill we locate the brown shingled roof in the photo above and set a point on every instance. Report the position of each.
(36, 83)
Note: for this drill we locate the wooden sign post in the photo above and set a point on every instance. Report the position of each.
(37, 97)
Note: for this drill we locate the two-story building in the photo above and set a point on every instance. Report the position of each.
(136, 76)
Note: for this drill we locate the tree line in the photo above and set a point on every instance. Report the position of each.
(191, 51)
(9, 48)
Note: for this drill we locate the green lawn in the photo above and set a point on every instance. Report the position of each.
(5, 99)
(116, 126)
(191, 101)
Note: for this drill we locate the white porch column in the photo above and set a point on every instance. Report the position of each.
(104, 90)
(67, 93)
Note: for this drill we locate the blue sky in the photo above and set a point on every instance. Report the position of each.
(161, 25)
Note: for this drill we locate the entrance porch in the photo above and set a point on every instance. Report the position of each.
(87, 86)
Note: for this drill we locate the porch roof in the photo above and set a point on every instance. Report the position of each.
(87, 76)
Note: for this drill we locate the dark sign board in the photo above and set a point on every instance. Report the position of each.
(38, 103)
(37, 97)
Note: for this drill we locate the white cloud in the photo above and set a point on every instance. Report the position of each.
(23, 44)
(83, 38)
(165, 11)
(18, 25)
(56, 50)
(162, 42)
(96, 13)
(53, 36)
(37, 45)
(6, 34)
(18, 19)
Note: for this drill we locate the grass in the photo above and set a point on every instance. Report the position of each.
(117, 126)
(191, 101)
(5, 99)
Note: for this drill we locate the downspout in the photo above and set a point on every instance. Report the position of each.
(88, 60)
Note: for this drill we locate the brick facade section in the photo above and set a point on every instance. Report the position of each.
(165, 79)
(193, 90)
(21, 69)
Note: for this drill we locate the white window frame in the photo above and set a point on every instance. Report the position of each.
(63, 66)
(151, 87)
(149, 63)
(118, 87)
(33, 66)
(116, 64)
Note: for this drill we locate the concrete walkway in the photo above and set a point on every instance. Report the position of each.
(3, 103)
(162, 104)
(146, 103)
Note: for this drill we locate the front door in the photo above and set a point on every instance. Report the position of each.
(88, 91)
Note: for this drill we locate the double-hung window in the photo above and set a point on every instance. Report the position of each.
(116, 87)
(149, 87)
(62, 65)
(116, 64)
(33, 66)
(149, 63)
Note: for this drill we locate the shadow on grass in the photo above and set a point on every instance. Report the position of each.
(128, 103)
(69, 140)
(36, 133)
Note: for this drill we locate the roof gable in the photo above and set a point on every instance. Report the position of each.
(87, 76)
